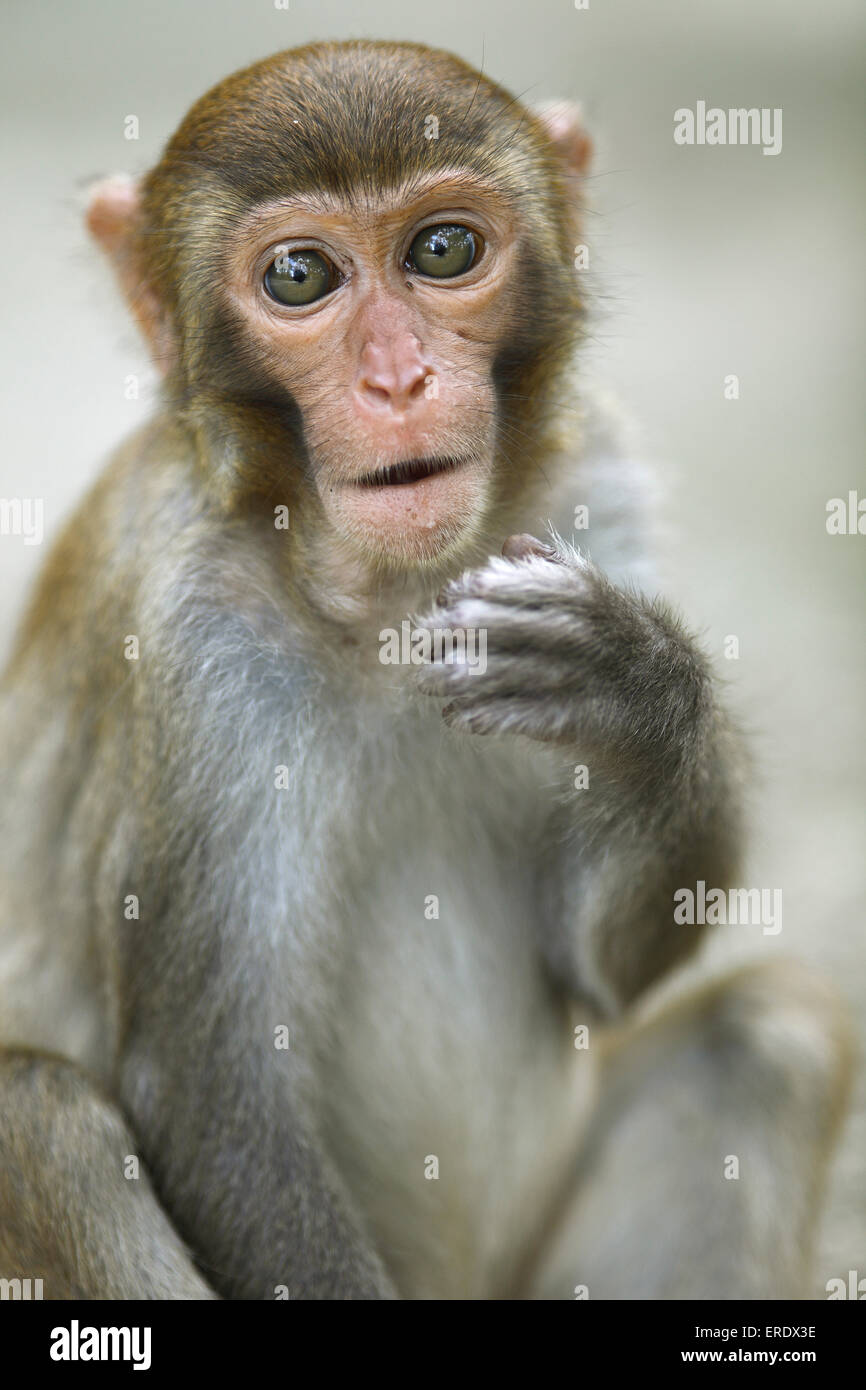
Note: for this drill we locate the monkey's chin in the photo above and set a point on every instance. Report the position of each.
(410, 522)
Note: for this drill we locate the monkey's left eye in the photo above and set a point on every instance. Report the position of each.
(443, 251)
(299, 277)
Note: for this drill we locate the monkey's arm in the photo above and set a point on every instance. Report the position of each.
(75, 1211)
(616, 684)
(235, 1154)
(227, 1120)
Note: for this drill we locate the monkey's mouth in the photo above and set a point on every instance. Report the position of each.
(410, 471)
(410, 508)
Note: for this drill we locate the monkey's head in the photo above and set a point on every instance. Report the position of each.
(354, 263)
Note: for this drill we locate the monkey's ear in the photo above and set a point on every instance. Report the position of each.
(563, 121)
(112, 212)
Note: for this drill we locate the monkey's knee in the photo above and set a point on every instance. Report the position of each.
(769, 1046)
(776, 1033)
(76, 1210)
(702, 1175)
(41, 1093)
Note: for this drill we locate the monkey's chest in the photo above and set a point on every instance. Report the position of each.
(455, 1096)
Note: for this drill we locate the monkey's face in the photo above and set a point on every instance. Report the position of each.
(359, 313)
(380, 317)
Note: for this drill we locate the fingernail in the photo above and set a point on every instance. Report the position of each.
(522, 546)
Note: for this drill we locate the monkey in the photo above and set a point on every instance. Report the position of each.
(324, 974)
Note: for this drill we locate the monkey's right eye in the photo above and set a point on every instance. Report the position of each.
(299, 277)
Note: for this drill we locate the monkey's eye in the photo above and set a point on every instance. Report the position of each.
(299, 277)
(443, 251)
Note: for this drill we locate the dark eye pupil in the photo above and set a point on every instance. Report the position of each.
(443, 252)
(299, 277)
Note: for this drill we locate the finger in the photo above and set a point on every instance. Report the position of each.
(524, 547)
(498, 715)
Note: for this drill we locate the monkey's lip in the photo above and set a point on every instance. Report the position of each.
(422, 498)
(409, 471)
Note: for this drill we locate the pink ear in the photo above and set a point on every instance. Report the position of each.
(111, 211)
(563, 122)
(111, 215)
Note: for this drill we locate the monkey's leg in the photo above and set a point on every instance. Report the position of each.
(702, 1174)
(68, 1215)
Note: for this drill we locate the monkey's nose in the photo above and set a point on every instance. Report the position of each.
(392, 376)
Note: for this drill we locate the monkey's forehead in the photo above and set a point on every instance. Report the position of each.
(351, 118)
(386, 203)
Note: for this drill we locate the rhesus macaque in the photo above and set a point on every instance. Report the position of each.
(300, 945)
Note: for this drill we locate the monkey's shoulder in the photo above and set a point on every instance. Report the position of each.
(605, 494)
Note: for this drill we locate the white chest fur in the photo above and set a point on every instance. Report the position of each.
(453, 1096)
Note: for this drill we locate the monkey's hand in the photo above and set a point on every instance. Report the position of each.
(562, 655)
(540, 643)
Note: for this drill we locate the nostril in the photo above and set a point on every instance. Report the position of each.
(377, 395)
(418, 387)
(379, 391)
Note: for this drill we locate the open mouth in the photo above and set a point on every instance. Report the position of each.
(410, 471)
